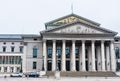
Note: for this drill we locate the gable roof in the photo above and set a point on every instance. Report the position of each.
(81, 19)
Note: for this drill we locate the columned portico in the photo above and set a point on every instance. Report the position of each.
(81, 45)
(97, 58)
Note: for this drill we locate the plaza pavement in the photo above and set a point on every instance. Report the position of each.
(60, 79)
(45, 78)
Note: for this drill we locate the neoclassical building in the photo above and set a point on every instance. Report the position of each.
(69, 43)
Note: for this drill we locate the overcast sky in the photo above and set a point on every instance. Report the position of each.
(29, 16)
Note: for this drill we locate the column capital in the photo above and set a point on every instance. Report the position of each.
(54, 40)
(83, 41)
(44, 40)
(102, 41)
(73, 40)
(112, 41)
(93, 40)
(63, 40)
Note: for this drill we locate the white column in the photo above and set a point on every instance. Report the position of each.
(45, 55)
(54, 56)
(113, 62)
(8, 69)
(2, 69)
(89, 48)
(103, 55)
(83, 56)
(93, 55)
(108, 58)
(63, 62)
(73, 63)
(24, 59)
(15, 68)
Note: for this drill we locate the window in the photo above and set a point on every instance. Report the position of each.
(77, 52)
(21, 49)
(34, 52)
(59, 51)
(68, 52)
(35, 39)
(12, 43)
(4, 43)
(117, 52)
(4, 49)
(12, 49)
(49, 52)
(34, 65)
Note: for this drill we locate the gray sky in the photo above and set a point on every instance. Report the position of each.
(29, 16)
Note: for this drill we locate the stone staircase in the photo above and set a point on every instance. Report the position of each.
(83, 74)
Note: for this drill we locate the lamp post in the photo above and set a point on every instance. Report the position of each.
(43, 64)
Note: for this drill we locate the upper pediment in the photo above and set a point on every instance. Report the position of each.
(69, 19)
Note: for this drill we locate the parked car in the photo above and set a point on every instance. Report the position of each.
(17, 74)
(32, 74)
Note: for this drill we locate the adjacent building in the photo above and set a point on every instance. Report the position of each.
(69, 43)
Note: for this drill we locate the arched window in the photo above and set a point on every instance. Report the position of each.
(117, 52)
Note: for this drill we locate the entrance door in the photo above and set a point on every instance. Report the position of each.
(59, 65)
(49, 65)
(68, 65)
(77, 65)
(87, 65)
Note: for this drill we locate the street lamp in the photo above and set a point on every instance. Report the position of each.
(43, 64)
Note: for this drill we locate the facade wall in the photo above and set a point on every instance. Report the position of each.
(30, 45)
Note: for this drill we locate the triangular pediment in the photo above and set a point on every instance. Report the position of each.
(78, 28)
(69, 19)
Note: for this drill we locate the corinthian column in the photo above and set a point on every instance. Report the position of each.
(73, 64)
(63, 56)
(44, 54)
(93, 56)
(103, 55)
(83, 56)
(54, 56)
(113, 63)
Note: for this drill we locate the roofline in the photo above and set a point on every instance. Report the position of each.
(20, 36)
(73, 15)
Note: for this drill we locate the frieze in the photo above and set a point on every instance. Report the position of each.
(78, 29)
